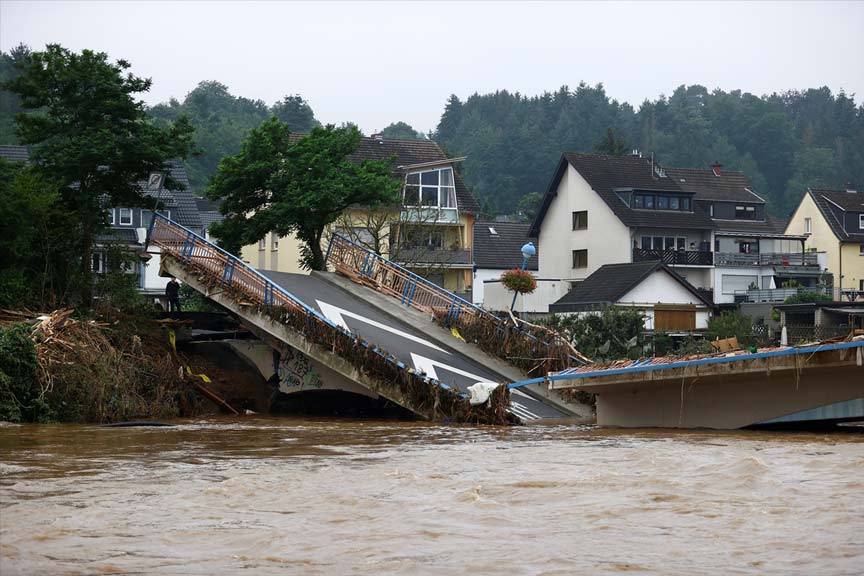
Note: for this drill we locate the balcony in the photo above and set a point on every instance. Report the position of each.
(766, 259)
(674, 257)
(455, 258)
(430, 215)
(778, 295)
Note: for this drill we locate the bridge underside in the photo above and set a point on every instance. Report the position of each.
(728, 396)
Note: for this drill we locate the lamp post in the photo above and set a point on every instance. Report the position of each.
(528, 250)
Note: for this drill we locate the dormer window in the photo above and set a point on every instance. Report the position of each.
(430, 189)
(643, 201)
(745, 213)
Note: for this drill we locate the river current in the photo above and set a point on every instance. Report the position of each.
(314, 496)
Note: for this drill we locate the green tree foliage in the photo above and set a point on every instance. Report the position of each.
(529, 206)
(10, 103)
(611, 146)
(783, 142)
(91, 137)
(222, 122)
(296, 112)
(807, 297)
(401, 131)
(38, 242)
(272, 185)
(611, 333)
(19, 398)
(729, 325)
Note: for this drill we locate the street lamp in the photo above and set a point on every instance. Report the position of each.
(528, 250)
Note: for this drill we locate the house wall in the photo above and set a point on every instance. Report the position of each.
(853, 266)
(821, 237)
(607, 239)
(731, 278)
(497, 297)
(661, 288)
(480, 276)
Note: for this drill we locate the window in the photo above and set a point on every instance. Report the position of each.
(431, 188)
(861, 221)
(664, 243)
(146, 218)
(423, 239)
(274, 241)
(711, 210)
(808, 225)
(98, 262)
(580, 220)
(125, 216)
(745, 213)
(668, 202)
(580, 258)
(262, 243)
(110, 213)
(861, 249)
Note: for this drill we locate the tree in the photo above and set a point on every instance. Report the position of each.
(401, 131)
(611, 145)
(10, 104)
(275, 186)
(529, 206)
(296, 112)
(91, 137)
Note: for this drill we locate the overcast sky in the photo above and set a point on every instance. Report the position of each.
(376, 63)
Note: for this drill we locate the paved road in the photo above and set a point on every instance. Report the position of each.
(402, 340)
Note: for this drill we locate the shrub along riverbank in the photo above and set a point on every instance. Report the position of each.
(59, 368)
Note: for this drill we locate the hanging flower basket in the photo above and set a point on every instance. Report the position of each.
(519, 281)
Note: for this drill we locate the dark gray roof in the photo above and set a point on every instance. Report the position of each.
(847, 201)
(407, 153)
(14, 153)
(607, 173)
(771, 225)
(730, 186)
(124, 235)
(502, 250)
(209, 211)
(612, 281)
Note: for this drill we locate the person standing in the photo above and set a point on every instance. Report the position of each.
(172, 292)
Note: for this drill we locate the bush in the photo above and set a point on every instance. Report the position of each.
(731, 324)
(807, 297)
(19, 386)
(519, 281)
(611, 333)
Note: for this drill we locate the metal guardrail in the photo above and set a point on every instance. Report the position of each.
(674, 257)
(781, 294)
(766, 259)
(412, 289)
(227, 270)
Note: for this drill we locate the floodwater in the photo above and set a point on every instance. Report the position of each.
(301, 496)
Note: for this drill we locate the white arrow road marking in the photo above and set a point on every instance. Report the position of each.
(428, 366)
(336, 315)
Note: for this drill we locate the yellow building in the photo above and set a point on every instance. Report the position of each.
(430, 233)
(834, 219)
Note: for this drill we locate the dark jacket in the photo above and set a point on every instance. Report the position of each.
(172, 290)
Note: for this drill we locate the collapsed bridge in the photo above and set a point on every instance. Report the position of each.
(377, 337)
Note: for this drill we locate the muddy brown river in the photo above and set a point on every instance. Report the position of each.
(303, 496)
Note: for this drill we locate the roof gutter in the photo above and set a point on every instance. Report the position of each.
(433, 163)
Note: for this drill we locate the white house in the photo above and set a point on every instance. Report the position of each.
(707, 224)
(667, 301)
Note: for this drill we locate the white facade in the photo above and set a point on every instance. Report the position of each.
(661, 288)
(497, 297)
(482, 275)
(606, 238)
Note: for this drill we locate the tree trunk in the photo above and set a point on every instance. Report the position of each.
(317, 253)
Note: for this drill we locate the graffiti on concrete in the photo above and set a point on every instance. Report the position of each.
(296, 372)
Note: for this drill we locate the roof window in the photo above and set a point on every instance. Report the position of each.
(492, 231)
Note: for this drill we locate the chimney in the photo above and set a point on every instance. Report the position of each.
(717, 168)
(378, 136)
(636, 153)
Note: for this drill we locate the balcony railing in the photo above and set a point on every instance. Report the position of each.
(674, 257)
(781, 294)
(766, 259)
(430, 215)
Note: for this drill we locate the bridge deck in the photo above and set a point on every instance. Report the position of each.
(402, 340)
